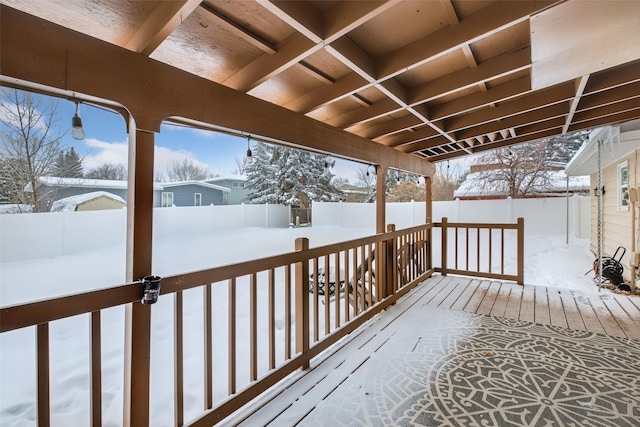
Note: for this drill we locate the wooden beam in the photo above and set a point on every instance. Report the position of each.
(516, 121)
(581, 83)
(478, 100)
(611, 96)
(618, 76)
(342, 88)
(389, 127)
(165, 18)
(408, 137)
(38, 51)
(346, 16)
(301, 15)
(606, 120)
(241, 31)
(486, 22)
(362, 115)
(608, 110)
(533, 101)
(489, 70)
(293, 50)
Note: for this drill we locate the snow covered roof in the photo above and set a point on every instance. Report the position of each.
(227, 178)
(72, 202)
(54, 181)
(200, 183)
(618, 142)
(473, 186)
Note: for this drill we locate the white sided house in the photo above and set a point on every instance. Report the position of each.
(612, 154)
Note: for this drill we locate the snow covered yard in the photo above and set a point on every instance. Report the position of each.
(548, 262)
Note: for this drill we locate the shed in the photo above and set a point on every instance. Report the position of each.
(94, 201)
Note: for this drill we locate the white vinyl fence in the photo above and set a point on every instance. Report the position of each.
(541, 216)
(47, 235)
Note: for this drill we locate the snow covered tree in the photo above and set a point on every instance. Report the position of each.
(287, 176)
(68, 164)
(524, 170)
(29, 144)
(110, 171)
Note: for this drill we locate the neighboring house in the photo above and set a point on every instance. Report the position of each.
(188, 193)
(52, 188)
(619, 152)
(192, 193)
(354, 193)
(473, 189)
(237, 184)
(96, 201)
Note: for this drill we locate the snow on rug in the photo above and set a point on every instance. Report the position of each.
(459, 369)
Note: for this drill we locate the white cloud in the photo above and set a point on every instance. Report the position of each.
(101, 152)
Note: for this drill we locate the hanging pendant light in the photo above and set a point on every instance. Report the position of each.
(249, 159)
(77, 132)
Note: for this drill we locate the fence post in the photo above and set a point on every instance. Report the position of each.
(443, 255)
(302, 301)
(521, 251)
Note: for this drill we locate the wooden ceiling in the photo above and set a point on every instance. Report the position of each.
(437, 79)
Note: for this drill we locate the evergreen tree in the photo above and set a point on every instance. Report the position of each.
(68, 164)
(283, 175)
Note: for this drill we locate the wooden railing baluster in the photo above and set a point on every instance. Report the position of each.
(42, 366)
(96, 369)
(232, 370)
(178, 347)
(208, 345)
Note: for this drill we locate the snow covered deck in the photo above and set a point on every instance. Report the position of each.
(461, 351)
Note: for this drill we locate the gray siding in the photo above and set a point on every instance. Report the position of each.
(184, 195)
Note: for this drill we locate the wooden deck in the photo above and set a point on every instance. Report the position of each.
(601, 312)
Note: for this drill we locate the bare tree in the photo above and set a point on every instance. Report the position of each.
(406, 191)
(445, 182)
(29, 144)
(240, 166)
(187, 170)
(367, 179)
(524, 170)
(111, 171)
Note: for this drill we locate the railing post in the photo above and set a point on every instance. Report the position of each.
(392, 263)
(443, 255)
(302, 301)
(521, 251)
(137, 357)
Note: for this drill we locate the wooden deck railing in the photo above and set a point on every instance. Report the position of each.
(289, 296)
(284, 294)
(480, 250)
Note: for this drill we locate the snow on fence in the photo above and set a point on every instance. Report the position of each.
(47, 235)
(541, 216)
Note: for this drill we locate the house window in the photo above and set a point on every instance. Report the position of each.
(167, 200)
(237, 184)
(623, 186)
(197, 199)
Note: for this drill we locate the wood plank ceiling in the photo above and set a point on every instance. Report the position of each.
(438, 79)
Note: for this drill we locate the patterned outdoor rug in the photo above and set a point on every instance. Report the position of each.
(451, 368)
